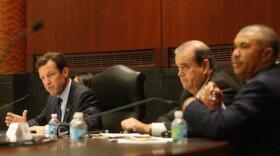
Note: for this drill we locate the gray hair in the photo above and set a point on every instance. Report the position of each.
(201, 51)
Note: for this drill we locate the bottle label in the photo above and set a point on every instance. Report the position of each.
(78, 134)
(178, 132)
(53, 130)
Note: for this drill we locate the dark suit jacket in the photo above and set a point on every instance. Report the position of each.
(226, 83)
(251, 122)
(80, 99)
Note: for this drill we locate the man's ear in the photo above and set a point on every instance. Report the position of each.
(267, 55)
(65, 72)
(205, 66)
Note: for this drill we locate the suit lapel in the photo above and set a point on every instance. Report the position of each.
(51, 107)
(69, 105)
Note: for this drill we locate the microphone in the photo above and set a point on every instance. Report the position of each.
(35, 27)
(63, 128)
(16, 101)
(133, 104)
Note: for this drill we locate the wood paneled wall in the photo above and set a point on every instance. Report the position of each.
(90, 26)
(214, 21)
(95, 25)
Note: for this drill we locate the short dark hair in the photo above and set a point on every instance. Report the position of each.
(56, 57)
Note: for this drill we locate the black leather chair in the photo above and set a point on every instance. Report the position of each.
(117, 86)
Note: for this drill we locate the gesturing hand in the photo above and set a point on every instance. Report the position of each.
(11, 117)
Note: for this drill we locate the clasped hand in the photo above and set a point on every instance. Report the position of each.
(211, 96)
(135, 125)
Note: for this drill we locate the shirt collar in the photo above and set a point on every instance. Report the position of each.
(64, 95)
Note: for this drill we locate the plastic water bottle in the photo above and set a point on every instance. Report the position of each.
(179, 128)
(53, 124)
(78, 128)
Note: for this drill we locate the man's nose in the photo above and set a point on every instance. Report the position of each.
(47, 81)
(180, 73)
(236, 52)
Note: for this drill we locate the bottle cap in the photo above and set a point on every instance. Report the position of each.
(54, 115)
(178, 114)
(78, 115)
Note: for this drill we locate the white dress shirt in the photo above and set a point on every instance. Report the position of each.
(64, 96)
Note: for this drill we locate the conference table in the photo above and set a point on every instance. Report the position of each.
(100, 147)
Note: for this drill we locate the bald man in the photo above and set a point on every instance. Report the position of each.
(252, 121)
(195, 69)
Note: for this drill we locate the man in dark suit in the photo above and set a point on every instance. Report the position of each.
(66, 96)
(252, 121)
(195, 69)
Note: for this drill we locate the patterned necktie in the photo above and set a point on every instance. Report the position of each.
(58, 108)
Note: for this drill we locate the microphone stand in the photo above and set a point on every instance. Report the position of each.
(11, 103)
(135, 104)
(64, 127)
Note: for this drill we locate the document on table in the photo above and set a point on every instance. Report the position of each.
(143, 140)
(123, 135)
(135, 138)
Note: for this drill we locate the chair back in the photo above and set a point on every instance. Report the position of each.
(117, 86)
